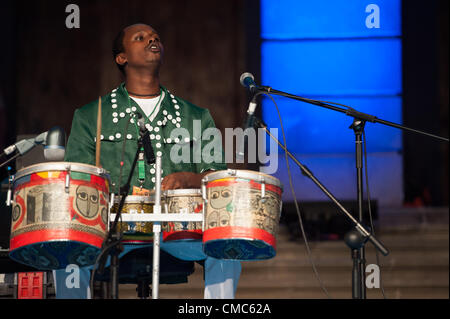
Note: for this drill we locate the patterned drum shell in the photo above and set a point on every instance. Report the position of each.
(59, 214)
(183, 201)
(135, 232)
(241, 223)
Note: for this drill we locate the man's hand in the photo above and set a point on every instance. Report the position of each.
(181, 180)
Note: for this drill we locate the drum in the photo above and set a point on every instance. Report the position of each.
(135, 233)
(59, 214)
(183, 201)
(242, 214)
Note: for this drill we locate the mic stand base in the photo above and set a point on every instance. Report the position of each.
(355, 241)
(143, 289)
(114, 269)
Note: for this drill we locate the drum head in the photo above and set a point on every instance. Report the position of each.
(56, 254)
(136, 199)
(62, 166)
(243, 174)
(183, 192)
(239, 249)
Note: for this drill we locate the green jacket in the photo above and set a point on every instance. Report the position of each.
(119, 128)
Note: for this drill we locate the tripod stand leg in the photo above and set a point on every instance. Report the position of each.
(356, 241)
(143, 289)
(114, 289)
(356, 275)
(104, 287)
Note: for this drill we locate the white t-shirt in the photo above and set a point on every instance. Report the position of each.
(150, 106)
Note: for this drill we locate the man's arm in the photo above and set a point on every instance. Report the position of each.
(181, 180)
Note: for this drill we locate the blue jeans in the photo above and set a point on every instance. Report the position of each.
(221, 276)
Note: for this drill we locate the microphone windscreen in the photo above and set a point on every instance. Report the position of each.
(54, 153)
(56, 137)
(54, 148)
(246, 79)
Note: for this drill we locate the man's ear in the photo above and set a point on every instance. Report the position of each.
(121, 59)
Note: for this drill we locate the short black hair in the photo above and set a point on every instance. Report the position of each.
(118, 48)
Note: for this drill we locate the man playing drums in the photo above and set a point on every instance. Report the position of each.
(138, 52)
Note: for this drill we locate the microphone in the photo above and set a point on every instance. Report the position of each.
(53, 140)
(145, 138)
(248, 80)
(248, 122)
(54, 145)
(22, 146)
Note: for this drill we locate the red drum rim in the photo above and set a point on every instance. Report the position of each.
(62, 166)
(55, 235)
(183, 235)
(245, 174)
(239, 232)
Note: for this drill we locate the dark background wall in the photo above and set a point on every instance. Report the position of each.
(425, 100)
(56, 69)
(48, 70)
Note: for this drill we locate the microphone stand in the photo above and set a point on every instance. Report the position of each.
(354, 239)
(9, 160)
(113, 239)
(365, 235)
(355, 243)
(350, 112)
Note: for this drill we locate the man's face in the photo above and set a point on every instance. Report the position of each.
(142, 45)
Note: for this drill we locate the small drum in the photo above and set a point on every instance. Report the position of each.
(183, 201)
(59, 214)
(242, 213)
(135, 233)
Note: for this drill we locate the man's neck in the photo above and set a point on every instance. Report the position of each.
(142, 83)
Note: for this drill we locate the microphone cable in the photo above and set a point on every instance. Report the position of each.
(106, 248)
(97, 261)
(367, 187)
(316, 273)
(319, 102)
(328, 102)
(372, 229)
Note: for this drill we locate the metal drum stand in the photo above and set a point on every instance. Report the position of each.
(157, 217)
